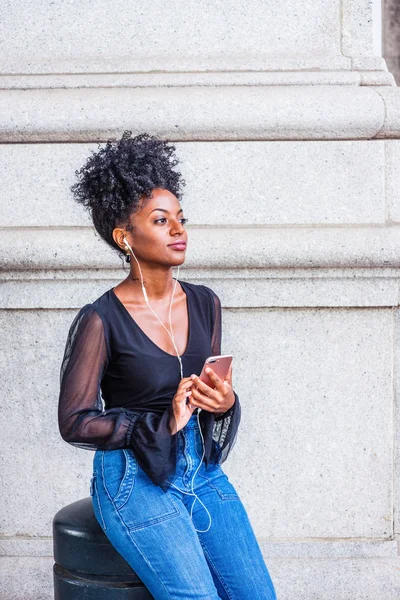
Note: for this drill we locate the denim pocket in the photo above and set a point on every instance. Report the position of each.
(119, 469)
(218, 480)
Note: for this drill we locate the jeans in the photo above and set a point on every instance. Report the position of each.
(176, 556)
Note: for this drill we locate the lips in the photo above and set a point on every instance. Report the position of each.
(181, 245)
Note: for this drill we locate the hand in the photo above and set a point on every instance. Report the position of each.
(181, 410)
(217, 400)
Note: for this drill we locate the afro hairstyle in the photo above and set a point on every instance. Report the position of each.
(115, 179)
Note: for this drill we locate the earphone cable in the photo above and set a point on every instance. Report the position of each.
(181, 371)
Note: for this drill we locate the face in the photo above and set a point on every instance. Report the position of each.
(158, 223)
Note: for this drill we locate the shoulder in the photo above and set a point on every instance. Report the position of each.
(93, 315)
(96, 310)
(212, 294)
(199, 289)
(89, 327)
(86, 317)
(206, 296)
(215, 304)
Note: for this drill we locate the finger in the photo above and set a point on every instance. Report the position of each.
(204, 387)
(185, 380)
(182, 396)
(214, 377)
(191, 403)
(185, 385)
(203, 401)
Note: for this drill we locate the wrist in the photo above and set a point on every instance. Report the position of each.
(227, 411)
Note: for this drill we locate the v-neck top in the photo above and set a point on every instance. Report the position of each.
(117, 384)
(189, 314)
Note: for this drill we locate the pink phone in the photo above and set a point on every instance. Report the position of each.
(220, 364)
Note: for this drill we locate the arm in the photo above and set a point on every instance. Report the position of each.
(82, 420)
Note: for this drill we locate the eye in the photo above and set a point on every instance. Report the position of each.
(183, 220)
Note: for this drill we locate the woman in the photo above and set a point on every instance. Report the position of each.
(158, 490)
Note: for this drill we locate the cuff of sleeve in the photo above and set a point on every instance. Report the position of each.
(130, 428)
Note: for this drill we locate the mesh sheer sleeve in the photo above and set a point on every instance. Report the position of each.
(226, 425)
(82, 420)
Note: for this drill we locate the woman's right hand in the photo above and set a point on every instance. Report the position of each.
(181, 411)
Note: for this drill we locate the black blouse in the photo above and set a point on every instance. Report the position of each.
(117, 385)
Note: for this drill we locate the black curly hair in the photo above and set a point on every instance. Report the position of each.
(117, 177)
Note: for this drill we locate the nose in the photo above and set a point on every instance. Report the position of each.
(177, 227)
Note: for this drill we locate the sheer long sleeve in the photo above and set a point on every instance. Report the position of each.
(226, 425)
(83, 422)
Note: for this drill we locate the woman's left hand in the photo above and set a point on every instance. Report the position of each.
(217, 400)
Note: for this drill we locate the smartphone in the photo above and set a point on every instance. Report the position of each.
(220, 364)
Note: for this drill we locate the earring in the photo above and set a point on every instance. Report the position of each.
(128, 256)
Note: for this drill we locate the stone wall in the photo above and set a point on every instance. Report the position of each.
(288, 128)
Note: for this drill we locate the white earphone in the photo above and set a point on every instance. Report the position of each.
(192, 493)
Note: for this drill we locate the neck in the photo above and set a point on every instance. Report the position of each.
(159, 286)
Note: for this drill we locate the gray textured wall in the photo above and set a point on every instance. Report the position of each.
(288, 128)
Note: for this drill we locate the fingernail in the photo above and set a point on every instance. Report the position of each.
(193, 376)
(208, 370)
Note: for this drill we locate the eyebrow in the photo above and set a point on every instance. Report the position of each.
(164, 210)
